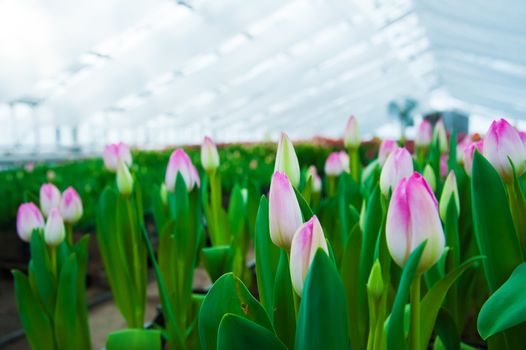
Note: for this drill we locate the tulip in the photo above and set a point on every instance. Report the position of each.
(469, 152)
(449, 191)
(49, 198)
(307, 240)
(55, 232)
(424, 134)
(375, 284)
(124, 179)
(71, 206)
(287, 160)
(429, 175)
(443, 164)
(503, 141)
(398, 165)
(28, 218)
(461, 146)
(115, 152)
(284, 211)
(386, 147)
(316, 180)
(441, 135)
(336, 163)
(180, 163)
(209, 155)
(352, 133)
(413, 218)
(344, 160)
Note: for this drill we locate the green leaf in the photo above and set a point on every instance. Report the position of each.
(306, 211)
(228, 295)
(506, 307)
(267, 255)
(323, 295)
(83, 333)
(238, 333)
(491, 215)
(65, 310)
(435, 296)
(395, 330)
(217, 261)
(284, 313)
(37, 325)
(447, 330)
(45, 282)
(134, 339)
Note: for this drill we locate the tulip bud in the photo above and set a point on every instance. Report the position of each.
(180, 163)
(469, 152)
(115, 152)
(429, 175)
(386, 147)
(461, 146)
(209, 155)
(164, 194)
(28, 218)
(49, 198)
(424, 134)
(375, 284)
(316, 181)
(398, 165)
(450, 190)
(284, 211)
(352, 133)
(55, 231)
(412, 218)
(443, 164)
(124, 179)
(71, 206)
(307, 240)
(287, 160)
(344, 160)
(336, 163)
(503, 141)
(441, 135)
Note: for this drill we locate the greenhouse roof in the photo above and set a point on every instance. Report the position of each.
(162, 72)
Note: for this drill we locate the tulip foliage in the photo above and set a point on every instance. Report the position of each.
(400, 253)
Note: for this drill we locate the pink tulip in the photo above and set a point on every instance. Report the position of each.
(337, 163)
(71, 206)
(469, 152)
(49, 198)
(115, 152)
(352, 133)
(386, 147)
(501, 142)
(55, 232)
(398, 165)
(180, 163)
(28, 218)
(412, 218)
(443, 164)
(209, 155)
(316, 180)
(424, 135)
(284, 211)
(461, 146)
(307, 240)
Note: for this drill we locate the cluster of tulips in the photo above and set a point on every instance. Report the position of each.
(324, 250)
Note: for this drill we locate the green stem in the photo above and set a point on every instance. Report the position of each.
(53, 258)
(414, 330)
(380, 319)
(373, 311)
(69, 234)
(354, 159)
(136, 264)
(215, 193)
(331, 186)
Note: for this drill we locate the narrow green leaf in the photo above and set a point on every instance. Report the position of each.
(217, 261)
(284, 313)
(228, 295)
(323, 295)
(238, 333)
(134, 339)
(306, 211)
(65, 310)
(45, 282)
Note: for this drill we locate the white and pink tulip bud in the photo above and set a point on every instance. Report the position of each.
(337, 163)
(398, 165)
(55, 232)
(71, 206)
(351, 137)
(115, 152)
(461, 146)
(287, 160)
(424, 135)
(306, 242)
(502, 143)
(386, 147)
(344, 159)
(413, 218)
(429, 175)
(209, 155)
(49, 198)
(28, 218)
(469, 152)
(284, 211)
(316, 180)
(180, 163)
(449, 191)
(124, 179)
(441, 135)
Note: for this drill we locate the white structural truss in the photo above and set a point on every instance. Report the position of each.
(158, 72)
